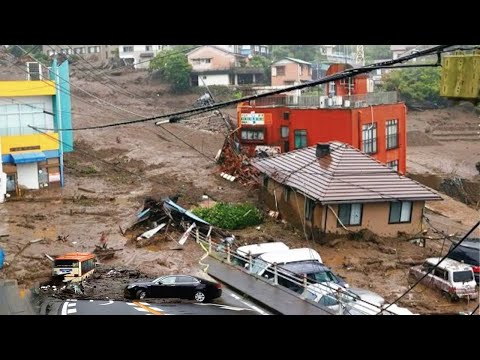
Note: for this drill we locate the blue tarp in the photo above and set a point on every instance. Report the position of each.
(172, 206)
(23, 158)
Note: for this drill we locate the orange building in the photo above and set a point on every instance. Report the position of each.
(375, 123)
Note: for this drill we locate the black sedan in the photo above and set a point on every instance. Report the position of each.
(175, 286)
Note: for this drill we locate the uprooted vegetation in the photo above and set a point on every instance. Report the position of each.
(231, 216)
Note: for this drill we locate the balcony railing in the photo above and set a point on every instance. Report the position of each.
(315, 101)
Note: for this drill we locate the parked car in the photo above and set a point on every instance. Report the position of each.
(468, 252)
(342, 301)
(314, 271)
(454, 279)
(175, 286)
(256, 250)
(265, 261)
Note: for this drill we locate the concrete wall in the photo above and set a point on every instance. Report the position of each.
(217, 79)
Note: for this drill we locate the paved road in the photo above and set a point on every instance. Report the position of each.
(231, 303)
(101, 307)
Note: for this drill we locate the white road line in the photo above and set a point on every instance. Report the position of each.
(71, 311)
(251, 306)
(91, 300)
(224, 306)
(149, 314)
(156, 308)
(141, 309)
(64, 308)
(144, 303)
(71, 305)
(110, 302)
(131, 304)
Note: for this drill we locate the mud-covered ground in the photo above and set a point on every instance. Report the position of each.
(113, 170)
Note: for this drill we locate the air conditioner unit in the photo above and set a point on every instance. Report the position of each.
(323, 102)
(338, 100)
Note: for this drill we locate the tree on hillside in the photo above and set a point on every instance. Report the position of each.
(262, 62)
(416, 86)
(377, 52)
(174, 68)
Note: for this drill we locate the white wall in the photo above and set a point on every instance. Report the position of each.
(140, 49)
(219, 79)
(3, 177)
(27, 176)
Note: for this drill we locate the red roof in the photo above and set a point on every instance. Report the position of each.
(345, 175)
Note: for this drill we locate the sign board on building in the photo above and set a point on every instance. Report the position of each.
(253, 119)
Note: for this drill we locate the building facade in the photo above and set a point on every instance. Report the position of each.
(212, 65)
(290, 71)
(335, 188)
(375, 123)
(33, 159)
(140, 55)
(101, 53)
(247, 50)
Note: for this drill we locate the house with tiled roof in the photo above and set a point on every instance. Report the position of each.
(335, 188)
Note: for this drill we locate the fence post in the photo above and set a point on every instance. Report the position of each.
(198, 236)
(228, 253)
(275, 274)
(209, 245)
(250, 262)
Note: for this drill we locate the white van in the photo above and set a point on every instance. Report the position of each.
(453, 278)
(265, 261)
(256, 250)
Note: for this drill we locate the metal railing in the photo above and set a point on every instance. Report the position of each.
(320, 101)
(223, 252)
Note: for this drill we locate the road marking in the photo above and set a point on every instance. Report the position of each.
(110, 302)
(71, 311)
(71, 305)
(64, 308)
(155, 308)
(251, 306)
(224, 307)
(91, 300)
(131, 304)
(146, 308)
(144, 303)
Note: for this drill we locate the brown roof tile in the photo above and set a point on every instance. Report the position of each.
(344, 175)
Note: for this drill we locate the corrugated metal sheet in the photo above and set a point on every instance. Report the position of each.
(343, 176)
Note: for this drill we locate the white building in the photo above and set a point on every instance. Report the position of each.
(140, 55)
(246, 50)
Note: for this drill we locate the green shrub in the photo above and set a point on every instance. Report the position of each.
(230, 216)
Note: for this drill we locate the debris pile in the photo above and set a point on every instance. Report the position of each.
(236, 164)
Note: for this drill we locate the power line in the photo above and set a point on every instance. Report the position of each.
(476, 308)
(345, 74)
(436, 265)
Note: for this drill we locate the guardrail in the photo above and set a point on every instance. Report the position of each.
(226, 252)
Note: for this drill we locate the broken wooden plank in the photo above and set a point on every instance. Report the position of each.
(86, 190)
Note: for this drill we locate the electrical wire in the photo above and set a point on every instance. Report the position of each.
(436, 265)
(338, 76)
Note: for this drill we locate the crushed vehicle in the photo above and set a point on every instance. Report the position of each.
(468, 252)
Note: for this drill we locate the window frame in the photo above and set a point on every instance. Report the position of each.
(350, 214)
(295, 138)
(372, 141)
(393, 166)
(253, 130)
(391, 134)
(280, 73)
(400, 214)
(281, 132)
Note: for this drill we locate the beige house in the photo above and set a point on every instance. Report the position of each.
(212, 65)
(335, 188)
(290, 71)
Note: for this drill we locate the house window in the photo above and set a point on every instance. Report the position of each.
(79, 50)
(280, 70)
(350, 214)
(369, 138)
(400, 212)
(265, 181)
(286, 115)
(331, 87)
(393, 164)
(392, 134)
(201, 61)
(128, 49)
(284, 132)
(253, 134)
(93, 49)
(300, 139)
(257, 48)
(148, 47)
(286, 193)
(309, 207)
(263, 49)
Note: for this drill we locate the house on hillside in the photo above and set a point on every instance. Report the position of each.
(93, 53)
(212, 65)
(291, 71)
(335, 188)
